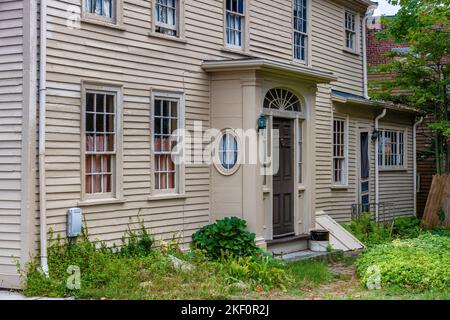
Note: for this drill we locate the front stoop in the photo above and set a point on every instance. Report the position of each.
(310, 255)
(288, 245)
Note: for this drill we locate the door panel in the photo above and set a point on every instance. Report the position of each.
(364, 174)
(283, 181)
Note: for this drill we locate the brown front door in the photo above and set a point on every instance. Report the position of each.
(283, 181)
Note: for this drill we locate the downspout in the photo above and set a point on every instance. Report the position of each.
(377, 167)
(369, 13)
(415, 162)
(42, 116)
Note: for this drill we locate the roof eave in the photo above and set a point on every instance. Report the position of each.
(269, 66)
(372, 103)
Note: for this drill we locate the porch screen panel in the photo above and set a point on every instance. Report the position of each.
(100, 142)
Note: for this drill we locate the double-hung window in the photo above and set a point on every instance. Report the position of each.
(391, 149)
(300, 30)
(235, 23)
(167, 17)
(339, 152)
(103, 11)
(167, 119)
(101, 142)
(350, 31)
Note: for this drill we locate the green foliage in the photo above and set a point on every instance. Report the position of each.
(264, 272)
(420, 263)
(137, 244)
(139, 271)
(226, 237)
(367, 231)
(422, 75)
(406, 227)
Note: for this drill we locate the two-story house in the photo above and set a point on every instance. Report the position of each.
(92, 90)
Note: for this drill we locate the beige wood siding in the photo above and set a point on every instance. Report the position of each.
(397, 187)
(328, 43)
(11, 64)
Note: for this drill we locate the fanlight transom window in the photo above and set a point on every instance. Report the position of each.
(282, 100)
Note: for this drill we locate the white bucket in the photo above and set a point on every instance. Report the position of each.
(318, 246)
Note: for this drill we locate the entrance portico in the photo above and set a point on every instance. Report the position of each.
(277, 205)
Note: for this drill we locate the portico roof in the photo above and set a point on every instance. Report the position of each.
(314, 75)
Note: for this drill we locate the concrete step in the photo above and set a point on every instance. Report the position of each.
(283, 246)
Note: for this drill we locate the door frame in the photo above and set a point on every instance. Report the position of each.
(301, 219)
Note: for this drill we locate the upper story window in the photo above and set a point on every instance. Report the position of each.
(101, 139)
(339, 152)
(103, 11)
(350, 30)
(235, 20)
(300, 30)
(391, 149)
(166, 119)
(167, 17)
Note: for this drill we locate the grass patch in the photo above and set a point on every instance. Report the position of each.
(137, 270)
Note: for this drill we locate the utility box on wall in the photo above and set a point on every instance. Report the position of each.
(74, 222)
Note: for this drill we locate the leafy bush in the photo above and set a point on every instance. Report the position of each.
(264, 272)
(226, 238)
(367, 231)
(420, 263)
(406, 227)
(137, 244)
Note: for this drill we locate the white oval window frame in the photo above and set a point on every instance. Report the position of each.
(217, 163)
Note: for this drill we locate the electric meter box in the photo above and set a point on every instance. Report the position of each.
(74, 221)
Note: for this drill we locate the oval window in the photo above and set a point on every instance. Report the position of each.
(228, 151)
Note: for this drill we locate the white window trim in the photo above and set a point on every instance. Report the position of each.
(308, 48)
(115, 22)
(217, 163)
(245, 30)
(403, 167)
(179, 190)
(357, 45)
(344, 183)
(180, 22)
(117, 194)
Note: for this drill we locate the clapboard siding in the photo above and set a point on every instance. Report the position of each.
(397, 187)
(11, 97)
(328, 43)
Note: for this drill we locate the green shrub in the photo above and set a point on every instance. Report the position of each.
(367, 231)
(443, 232)
(226, 238)
(420, 263)
(264, 272)
(406, 227)
(137, 244)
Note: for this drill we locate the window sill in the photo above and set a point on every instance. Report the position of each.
(393, 169)
(167, 37)
(237, 51)
(98, 202)
(166, 197)
(339, 187)
(350, 51)
(103, 23)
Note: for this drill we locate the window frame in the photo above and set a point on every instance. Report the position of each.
(117, 177)
(344, 182)
(115, 21)
(357, 43)
(217, 163)
(179, 189)
(306, 61)
(245, 31)
(383, 166)
(179, 22)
